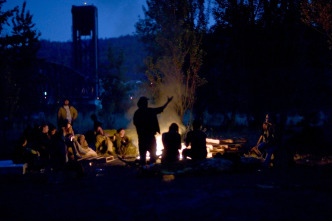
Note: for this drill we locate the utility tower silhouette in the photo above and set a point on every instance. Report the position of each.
(85, 46)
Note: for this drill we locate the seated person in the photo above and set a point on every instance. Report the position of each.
(74, 148)
(84, 144)
(266, 143)
(104, 144)
(58, 151)
(172, 143)
(122, 144)
(197, 140)
(24, 153)
(42, 144)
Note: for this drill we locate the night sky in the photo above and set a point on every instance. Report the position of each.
(54, 20)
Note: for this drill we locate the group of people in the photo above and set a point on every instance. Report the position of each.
(48, 146)
(146, 122)
(147, 126)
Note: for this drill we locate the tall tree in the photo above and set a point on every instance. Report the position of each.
(5, 15)
(174, 31)
(25, 38)
(259, 50)
(20, 77)
(114, 97)
(318, 14)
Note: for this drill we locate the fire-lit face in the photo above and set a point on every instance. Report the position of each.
(45, 129)
(122, 133)
(66, 102)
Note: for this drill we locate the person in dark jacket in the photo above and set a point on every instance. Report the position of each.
(146, 122)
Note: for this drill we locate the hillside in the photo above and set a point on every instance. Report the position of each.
(133, 54)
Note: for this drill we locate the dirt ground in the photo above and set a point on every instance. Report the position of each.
(114, 191)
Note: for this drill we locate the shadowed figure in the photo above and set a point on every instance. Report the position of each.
(172, 144)
(266, 144)
(146, 122)
(197, 140)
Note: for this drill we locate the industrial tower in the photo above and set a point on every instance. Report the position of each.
(85, 46)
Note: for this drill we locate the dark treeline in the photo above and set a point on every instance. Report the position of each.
(259, 56)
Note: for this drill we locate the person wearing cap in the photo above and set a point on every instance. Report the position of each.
(66, 113)
(146, 122)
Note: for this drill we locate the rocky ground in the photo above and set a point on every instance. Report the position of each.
(116, 191)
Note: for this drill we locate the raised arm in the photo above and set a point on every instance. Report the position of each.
(169, 99)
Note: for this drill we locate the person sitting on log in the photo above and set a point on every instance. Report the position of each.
(197, 140)
(172, 144)
(104, 144)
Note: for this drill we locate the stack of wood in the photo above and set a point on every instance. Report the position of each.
(222, 146)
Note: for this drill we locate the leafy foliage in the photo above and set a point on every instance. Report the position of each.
(19, 79)
(318, 14)
(173, 32)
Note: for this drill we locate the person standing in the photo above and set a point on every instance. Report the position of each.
(66, 113)
(146, 122)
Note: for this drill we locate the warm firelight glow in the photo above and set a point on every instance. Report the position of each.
(209, 146)
(160, 146)
(212, 141)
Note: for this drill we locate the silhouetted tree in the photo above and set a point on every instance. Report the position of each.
(114, 97)
(173, 31)
(20, 79)
(318, 14)
(5, 15)
(24, 39)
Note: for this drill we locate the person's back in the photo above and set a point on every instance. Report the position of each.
(58, 151)
(172, 144)
(197, 140)
(146, 122)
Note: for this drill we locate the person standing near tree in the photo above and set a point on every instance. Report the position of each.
(66, 114)
(146, 122)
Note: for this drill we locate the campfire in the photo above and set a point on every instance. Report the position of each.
(214, 146)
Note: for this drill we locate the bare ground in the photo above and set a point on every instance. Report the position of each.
(115, 191)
